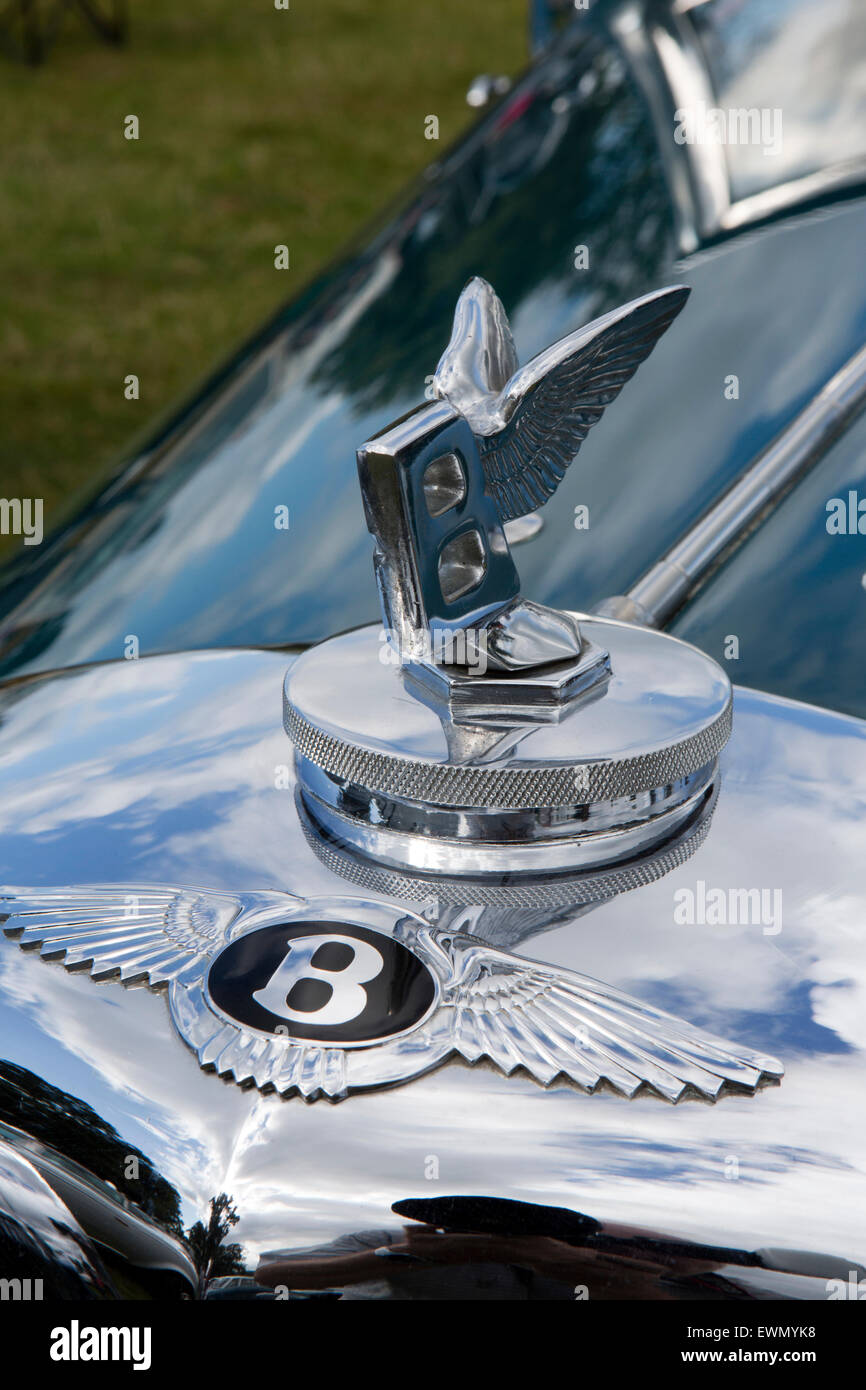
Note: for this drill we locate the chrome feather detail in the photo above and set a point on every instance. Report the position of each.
(139, 932)
(530, 427)
(556, 1022)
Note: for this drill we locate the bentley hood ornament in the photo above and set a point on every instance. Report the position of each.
(439, 487)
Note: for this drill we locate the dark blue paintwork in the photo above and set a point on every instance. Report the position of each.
(183, 551)
(795, 595)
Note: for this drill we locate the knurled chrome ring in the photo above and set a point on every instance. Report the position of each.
(507, 788)
(540, 893)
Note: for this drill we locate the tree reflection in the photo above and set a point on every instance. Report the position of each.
(213, 1254)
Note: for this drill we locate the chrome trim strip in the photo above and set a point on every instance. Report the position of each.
(838, 178)
(667, 62)
(629, 29)
(685, 73)
(673, 580)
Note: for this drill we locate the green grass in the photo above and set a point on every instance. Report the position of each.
(155, 257)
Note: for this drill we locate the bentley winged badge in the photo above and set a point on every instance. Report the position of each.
(478, 751)
(245, 978)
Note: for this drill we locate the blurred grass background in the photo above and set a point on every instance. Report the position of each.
(155, 257)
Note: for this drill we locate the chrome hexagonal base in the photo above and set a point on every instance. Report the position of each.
(546, 694)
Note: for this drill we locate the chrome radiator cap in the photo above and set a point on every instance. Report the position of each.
(477, 732)
(620, 774)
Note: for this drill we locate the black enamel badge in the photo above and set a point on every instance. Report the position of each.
(328, 982)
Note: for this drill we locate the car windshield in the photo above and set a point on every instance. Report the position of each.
(756, 52)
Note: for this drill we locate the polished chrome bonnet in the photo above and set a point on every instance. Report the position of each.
(477, 732)
(190, 744)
